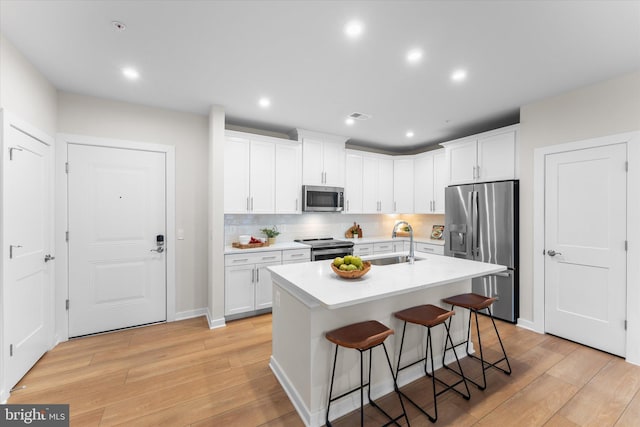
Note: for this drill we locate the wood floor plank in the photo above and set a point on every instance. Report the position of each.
(580, 366)
(631, 415)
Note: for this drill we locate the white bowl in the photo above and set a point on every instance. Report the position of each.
(244, 239)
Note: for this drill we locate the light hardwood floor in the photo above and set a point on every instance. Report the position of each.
(183, 374)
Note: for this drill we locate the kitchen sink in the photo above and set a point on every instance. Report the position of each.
(399, 259)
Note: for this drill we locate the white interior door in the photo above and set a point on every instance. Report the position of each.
(585, 233)
(117, 208)
(27, 230)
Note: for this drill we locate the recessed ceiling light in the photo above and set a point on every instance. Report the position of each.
(354, 29)
(349, 121)
(414, 56)
(409, 134)
(130, 73)
(264, 102)
(459, 75)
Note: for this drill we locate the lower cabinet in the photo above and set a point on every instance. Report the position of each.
(247, 282)
(363, 249)
(429, 248)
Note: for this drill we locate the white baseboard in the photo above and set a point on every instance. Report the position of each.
(190, 314)
(215, 323)
(527, 324)
(4, 396)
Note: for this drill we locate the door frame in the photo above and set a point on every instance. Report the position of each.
(61, 214)
(632, 139)
(8, 120)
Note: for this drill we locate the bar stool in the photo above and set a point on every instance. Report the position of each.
(362, 336)
(475, 303)
(429, 316)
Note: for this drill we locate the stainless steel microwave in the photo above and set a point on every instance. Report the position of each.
(316, 198)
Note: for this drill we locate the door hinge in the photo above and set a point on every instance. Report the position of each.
(66, 167)
(66, 304)
(626, 245)
(10, 350)
(66, 236)
(625, 324)
(626, 166)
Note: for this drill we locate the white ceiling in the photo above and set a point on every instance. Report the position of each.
(193, 54)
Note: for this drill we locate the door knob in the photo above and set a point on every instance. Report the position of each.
(551, 252)
(48, 258)
(159, 249)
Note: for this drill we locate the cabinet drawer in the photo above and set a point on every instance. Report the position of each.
(382, 247)
(428, 248)
(252, 258)
(364, 249)
(295, 255)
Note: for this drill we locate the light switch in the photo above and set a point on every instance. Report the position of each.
(180, 234)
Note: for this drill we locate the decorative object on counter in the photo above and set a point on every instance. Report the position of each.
(271, 234)
(253, 242)
(351, 274)
(403, 232)
(354, 232)
(244, 239)
(437, 232)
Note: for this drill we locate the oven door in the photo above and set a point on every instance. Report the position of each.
(330, 253)
(322, 199)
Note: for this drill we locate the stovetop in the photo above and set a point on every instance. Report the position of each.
(326, 242)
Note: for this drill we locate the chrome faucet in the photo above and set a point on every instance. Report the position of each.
(411, 250)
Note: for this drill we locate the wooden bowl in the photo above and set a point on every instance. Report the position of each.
(354, 274)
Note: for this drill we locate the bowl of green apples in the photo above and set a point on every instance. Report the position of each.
(350, 267)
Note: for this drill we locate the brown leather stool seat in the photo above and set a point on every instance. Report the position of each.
(429, 316)
(475, 303)
(362, 336)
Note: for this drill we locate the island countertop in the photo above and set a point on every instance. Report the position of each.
(315, 283)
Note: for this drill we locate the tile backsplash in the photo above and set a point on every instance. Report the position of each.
(310, 225)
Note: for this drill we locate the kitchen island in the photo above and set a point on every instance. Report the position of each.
(309, 299)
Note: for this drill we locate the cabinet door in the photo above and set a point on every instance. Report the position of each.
(353, 186)
(262, 177)
(496, 157)
(399, 247)
(333, 161)
(403, 185)
(370, 184)
(239, 289)
(423, 181)
(363, 249)
(236, 175)
(312, 162)
(383, 247)
(461, 161)
(288, 173)
(263, 285)
(385, 185)
(440, 173)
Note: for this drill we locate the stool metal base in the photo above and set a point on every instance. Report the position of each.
(392, 420)
(485, 364)
(428, 354)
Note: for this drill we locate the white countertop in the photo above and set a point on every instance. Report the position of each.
(315, 282)
(280, 246)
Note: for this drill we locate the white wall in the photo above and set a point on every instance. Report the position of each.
(84, 115)
(25, 93)
(605, 108)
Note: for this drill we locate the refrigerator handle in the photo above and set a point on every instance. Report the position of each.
(476, 226)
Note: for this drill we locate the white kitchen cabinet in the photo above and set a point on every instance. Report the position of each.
(489, 156)
(363, 249)
(430, 179)
(400, 246)
(377, 178)
(323, 159)
(429, 248)
(383, 247)
(248, 282)
(288, 178)
(291, 256)
(403, 184)
(353, 183)
(249, 176)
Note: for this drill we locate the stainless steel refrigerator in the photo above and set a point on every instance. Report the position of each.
(481, 223)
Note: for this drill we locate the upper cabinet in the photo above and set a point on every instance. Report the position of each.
(323, 158)
(377, 181)
(430, 180)
(261, 174)
(489, 156)
(403, 184)
(353, 184)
